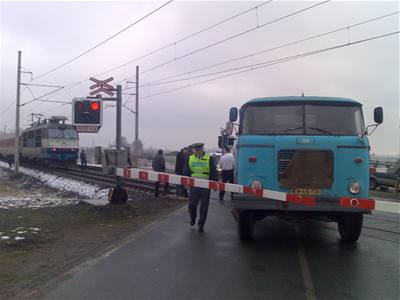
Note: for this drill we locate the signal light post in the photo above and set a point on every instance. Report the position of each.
(87, 112)
(118, 99)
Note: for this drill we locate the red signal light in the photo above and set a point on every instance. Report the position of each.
(79, 105)
(94, 105)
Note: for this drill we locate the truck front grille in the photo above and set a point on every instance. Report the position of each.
(300, 168)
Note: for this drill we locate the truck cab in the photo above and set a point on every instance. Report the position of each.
(310, 146)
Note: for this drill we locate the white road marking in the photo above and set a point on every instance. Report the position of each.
(386, 206)
(305, 270)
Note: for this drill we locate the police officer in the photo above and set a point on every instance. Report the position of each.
(200, 165)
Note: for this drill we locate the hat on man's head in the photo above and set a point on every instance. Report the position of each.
(198, 145)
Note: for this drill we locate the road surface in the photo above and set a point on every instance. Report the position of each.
(169, 260)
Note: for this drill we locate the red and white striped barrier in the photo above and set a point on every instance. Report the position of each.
(146, 175)
(374, 170)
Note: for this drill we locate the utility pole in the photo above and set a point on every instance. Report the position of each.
(137, 118)
(16, 153)
(118, 133)
(119, 110)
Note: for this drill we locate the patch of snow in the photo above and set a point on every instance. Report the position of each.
(5, 237)
(19, 238)
(19, 202)
(85, 190)
(34, 228)
(21, 232)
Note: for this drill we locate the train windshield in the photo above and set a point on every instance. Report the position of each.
(70, 134)
(302, 119)
(53, 133)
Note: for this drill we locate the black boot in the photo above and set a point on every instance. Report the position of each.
(201, 228)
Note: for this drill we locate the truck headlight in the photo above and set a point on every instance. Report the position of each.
(256, 184)
(354, 187)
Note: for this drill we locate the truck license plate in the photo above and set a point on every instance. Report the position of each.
(306, 191)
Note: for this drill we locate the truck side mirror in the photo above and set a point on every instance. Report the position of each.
(233, 114)
(378, 115)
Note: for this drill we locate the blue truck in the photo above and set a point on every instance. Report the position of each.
(315, 147)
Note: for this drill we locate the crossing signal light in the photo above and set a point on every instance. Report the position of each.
(87, 111)
(95, 105)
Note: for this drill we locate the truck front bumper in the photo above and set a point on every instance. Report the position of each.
(320, 204)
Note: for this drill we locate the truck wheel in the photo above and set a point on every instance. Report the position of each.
(350, 227)
(372, 184)
(245, 225)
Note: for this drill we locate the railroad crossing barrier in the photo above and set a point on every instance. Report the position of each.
(132, 173)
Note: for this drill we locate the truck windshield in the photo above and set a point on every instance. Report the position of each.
(302, 119)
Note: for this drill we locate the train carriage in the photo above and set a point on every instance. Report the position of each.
(49, 142)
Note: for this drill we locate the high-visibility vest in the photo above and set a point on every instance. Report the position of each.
(200, 167)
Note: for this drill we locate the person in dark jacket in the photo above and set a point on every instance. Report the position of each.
(10, 160)
(118, 195)
(83, 159)
(179, 165)
(158, 165)
(200, 165)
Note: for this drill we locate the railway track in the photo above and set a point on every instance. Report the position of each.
(105, 180)
(94, 175)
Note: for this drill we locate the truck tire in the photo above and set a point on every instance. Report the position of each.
(372, 184)
(245, 225)
(350, 227)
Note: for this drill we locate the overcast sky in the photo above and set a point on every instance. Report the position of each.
(50, 33)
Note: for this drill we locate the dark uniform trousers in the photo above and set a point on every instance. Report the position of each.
(197, 195)
(227, 176)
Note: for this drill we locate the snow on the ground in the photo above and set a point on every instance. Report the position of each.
(85, 190)
(17, 235)
(34, 202)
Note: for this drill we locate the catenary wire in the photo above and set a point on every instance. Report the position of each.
(274, 62)
(167, 80)
(226, 39)
(70, 85)
(101, 43)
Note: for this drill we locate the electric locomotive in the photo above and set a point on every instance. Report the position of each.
(50, 142)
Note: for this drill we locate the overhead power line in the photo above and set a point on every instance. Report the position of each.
(40, 97)
(173, 44)
(169, 79)
(228, 39)
(12, 103)
(274, 62)
(103, 42)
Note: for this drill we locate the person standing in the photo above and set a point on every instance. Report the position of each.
(200, 165)
(10, 160)
(179, 165)
(83, 159)
(227, 164)
(158, 165)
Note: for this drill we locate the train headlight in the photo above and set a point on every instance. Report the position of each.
(354, 187)
(256, 184)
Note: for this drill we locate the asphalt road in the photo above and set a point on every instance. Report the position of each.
(285, 261)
